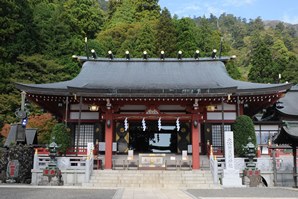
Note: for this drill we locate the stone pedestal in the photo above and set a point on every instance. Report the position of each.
(231, 178)
(252, 177)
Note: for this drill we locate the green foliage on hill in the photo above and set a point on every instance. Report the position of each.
(38, 38)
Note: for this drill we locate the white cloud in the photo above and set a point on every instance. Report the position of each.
(290, 19)
(199, 10)
(238, 3)
(187, 10)
(214, 10)
(195, 9)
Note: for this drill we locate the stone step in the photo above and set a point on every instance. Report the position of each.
(160, 179)
(151, 178)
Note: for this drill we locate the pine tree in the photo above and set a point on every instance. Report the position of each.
(146, 41)
(166, 34)
(147, 10)
(124, 14)
(16, 33)
(290, 72)
(262, 66)
(208, 38)
(187, 36)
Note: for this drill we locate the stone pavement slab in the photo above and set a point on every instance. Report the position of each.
(147, 193)
(15, 191)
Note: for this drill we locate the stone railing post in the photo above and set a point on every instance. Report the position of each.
(35, 160)
(214, 169)
(87, 170)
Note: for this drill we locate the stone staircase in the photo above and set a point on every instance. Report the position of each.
(197, 179)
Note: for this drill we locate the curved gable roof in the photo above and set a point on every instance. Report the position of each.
(154, 76)
(288, 134)
(289, 102)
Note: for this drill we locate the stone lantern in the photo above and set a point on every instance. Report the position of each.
(52, 171)
(250, 154)
(251, 175)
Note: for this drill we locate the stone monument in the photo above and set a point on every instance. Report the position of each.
(12, 171)
(231, 177)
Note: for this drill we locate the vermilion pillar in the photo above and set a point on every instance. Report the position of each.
(108, 141)
(195, 143)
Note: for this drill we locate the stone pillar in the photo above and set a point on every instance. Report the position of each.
(108, 140)
(231, 176)
(295, 165)
(195, 124)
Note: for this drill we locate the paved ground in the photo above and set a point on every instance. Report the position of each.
(245, 193)
(54, 193)
(38, 192)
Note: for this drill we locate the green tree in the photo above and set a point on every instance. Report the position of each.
(40, 69)
(208, 38)
(262, 66)
(115, 37)
(166, 34)
(62, 25)
(280, 27)
(62, 137)
(147, 10)
(124, 14)
(112, 7)
(233, 70)
(255, 26)
(146, 40)
(243, 128)
(280, 56)
(290, 72)
(187, 36)
(85, 17)
(8, 106)
(16, 31)
(233, 27)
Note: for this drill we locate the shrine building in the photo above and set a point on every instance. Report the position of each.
(161, 105)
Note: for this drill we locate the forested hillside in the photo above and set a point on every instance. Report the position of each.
(38, 38)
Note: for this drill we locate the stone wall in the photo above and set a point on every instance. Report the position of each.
(24, 155)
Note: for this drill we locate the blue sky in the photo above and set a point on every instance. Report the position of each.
(284, 10)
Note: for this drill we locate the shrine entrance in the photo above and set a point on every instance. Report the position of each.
(152, 139)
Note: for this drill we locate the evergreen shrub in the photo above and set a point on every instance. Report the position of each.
(62, 137)
(243, 128)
